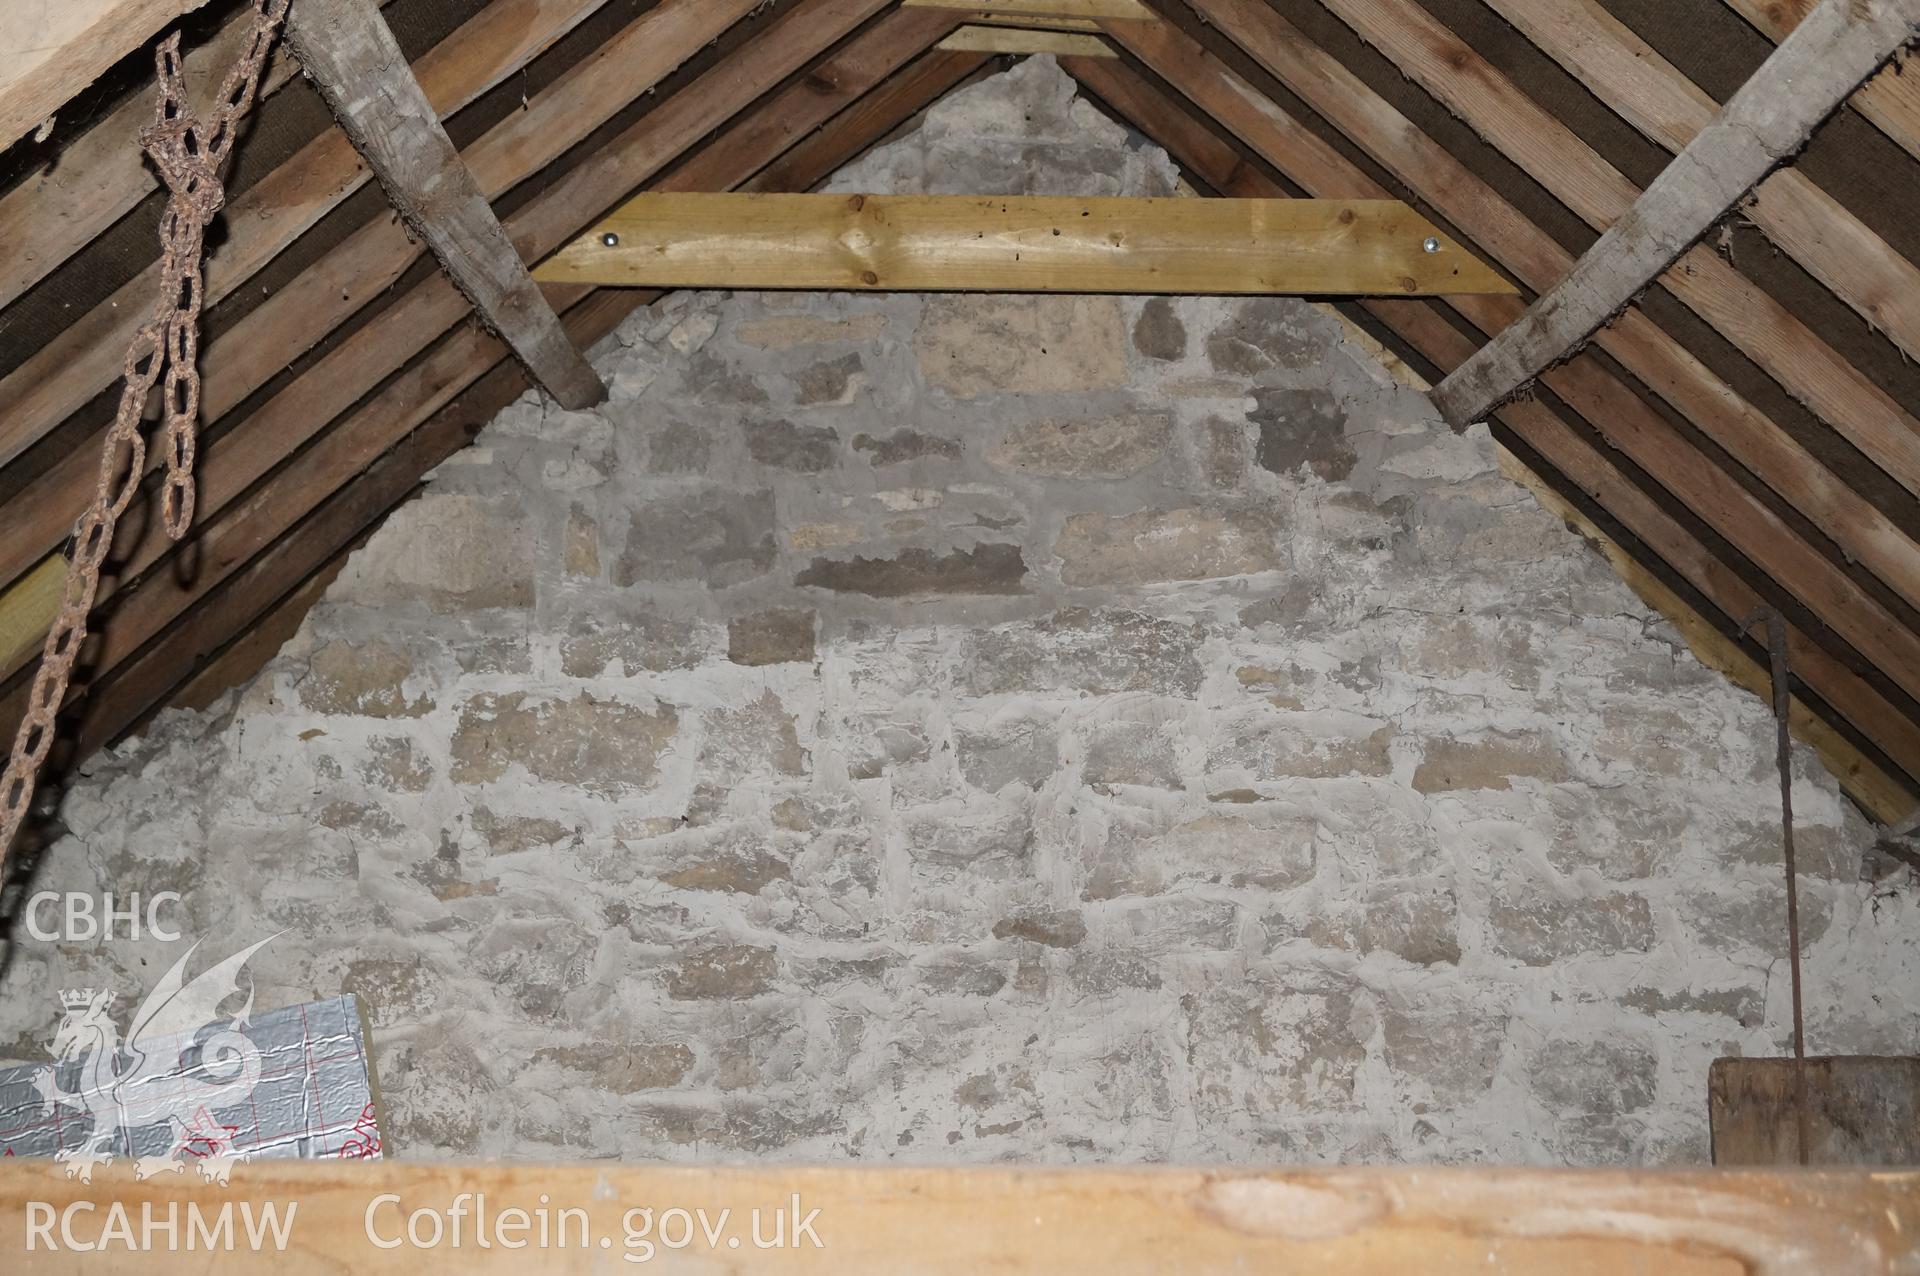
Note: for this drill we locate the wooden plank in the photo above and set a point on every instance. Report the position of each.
(1036, 23)
(1653, 95)
(1319, 168)
(52, 49)
(934, 243)
(1861, 1110)
(891, 104)
(347, 49)
(85, 358)
(97, 177)
(173, 623)
(1496, 226)
(1109, 10)
(1020, 40)
(371, 259)
(1890, 99)
(1771, 335)
(354, 1216)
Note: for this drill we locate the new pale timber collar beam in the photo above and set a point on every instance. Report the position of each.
(969, 243)
(348, 51)
(1829, 55)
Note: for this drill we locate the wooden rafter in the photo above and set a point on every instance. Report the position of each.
(1650, 93)
(1746, 314)
(943, 243)
(347, 49)
(1308, 160)
(52, 49)
(263, 221)
(362, 266)
(161, 629)
(1655, 358)
(100, 175)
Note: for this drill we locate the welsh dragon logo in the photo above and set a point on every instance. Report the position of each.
(167, 1072)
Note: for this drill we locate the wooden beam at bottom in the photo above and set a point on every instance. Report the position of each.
(922, 243)
(374, 1217)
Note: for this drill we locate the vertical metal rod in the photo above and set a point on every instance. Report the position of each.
(1782, 707)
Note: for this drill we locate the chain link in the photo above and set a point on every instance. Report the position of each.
(189, 154)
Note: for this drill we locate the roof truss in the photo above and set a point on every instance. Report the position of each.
(1712, 497)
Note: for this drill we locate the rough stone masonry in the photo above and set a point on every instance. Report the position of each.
(979, 728)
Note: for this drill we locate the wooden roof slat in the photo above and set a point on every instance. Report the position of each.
(99, 176)
(264, 221)
(52, 49)
(1653, 95)
(871, 117)
(434, 409)
(307, 408)
(368, 261)
(1202, 154)
(1495, 225)
(1608, 404)
(1771, 335)
(1891, 100)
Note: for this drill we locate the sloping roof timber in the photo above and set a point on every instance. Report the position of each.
(1745, 434)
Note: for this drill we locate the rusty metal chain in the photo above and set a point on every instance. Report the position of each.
(188, 153)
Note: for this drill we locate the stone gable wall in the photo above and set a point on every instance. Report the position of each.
(963, 728)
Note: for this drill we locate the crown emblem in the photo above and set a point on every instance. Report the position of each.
(77, 998)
